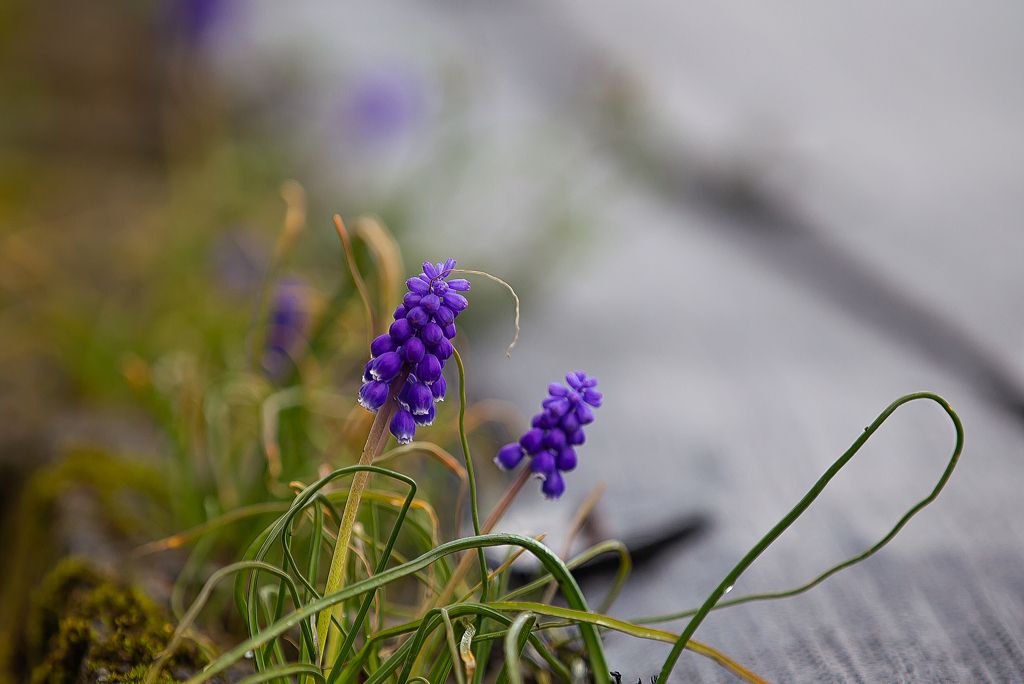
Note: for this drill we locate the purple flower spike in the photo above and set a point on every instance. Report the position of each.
(403, 427)
(509, 456)
(420, 399)
(372, 395)
(554, 485)
(386, 366)
(416, 344)
(556, 430)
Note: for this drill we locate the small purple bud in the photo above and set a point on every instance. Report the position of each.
(543, 463)
(554, 485)
(447, 267)
(427, 418)
(420, 399)
(411, 299)
(537, 420)
(386, 366)
(412, 351)
(557, 405)
(460, 284)
(403, 394)
(443, 350)
(532, 440)
(439, 288)
(444, 316)
(449, 331)
(455, 301)
(432, 334)
(570, 423)
(403, 427)
(382, 344)
(429, 369)
(400, 331)
(418, 286)
(576, 379)
(576, 438)
(557, 389)
(592, 397)
(400, 312)
(367, 375)
(585, 414)
(548, 420)
(438, 389)
(509, 456)
(566, 459)
(554, 440)
(372, 395)
(431, 303)
(418, 316)
(428, 270)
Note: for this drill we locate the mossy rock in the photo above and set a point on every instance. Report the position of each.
(85, 628)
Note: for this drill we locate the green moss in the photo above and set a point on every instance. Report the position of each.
(84, 627)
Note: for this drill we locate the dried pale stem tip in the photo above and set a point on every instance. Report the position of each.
(375, 442)
(498, 280)
(499, 510)
(386, 254)
(350, 257)
(294, 217)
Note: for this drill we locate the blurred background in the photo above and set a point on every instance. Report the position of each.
(756, 223)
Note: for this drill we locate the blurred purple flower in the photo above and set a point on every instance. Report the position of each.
(382, 104)
(193, 20)
(287, 326)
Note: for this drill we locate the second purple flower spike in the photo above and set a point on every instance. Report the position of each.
(556, 431)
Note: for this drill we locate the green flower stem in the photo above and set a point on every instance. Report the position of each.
(375, 442)
(551, 562)
(475, 510)
(802, 506)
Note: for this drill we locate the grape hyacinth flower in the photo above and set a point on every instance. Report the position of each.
(555, 432)
(417, 342)
(287, 327)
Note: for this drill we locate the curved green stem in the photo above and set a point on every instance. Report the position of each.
(802, 506)
(469, 471)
